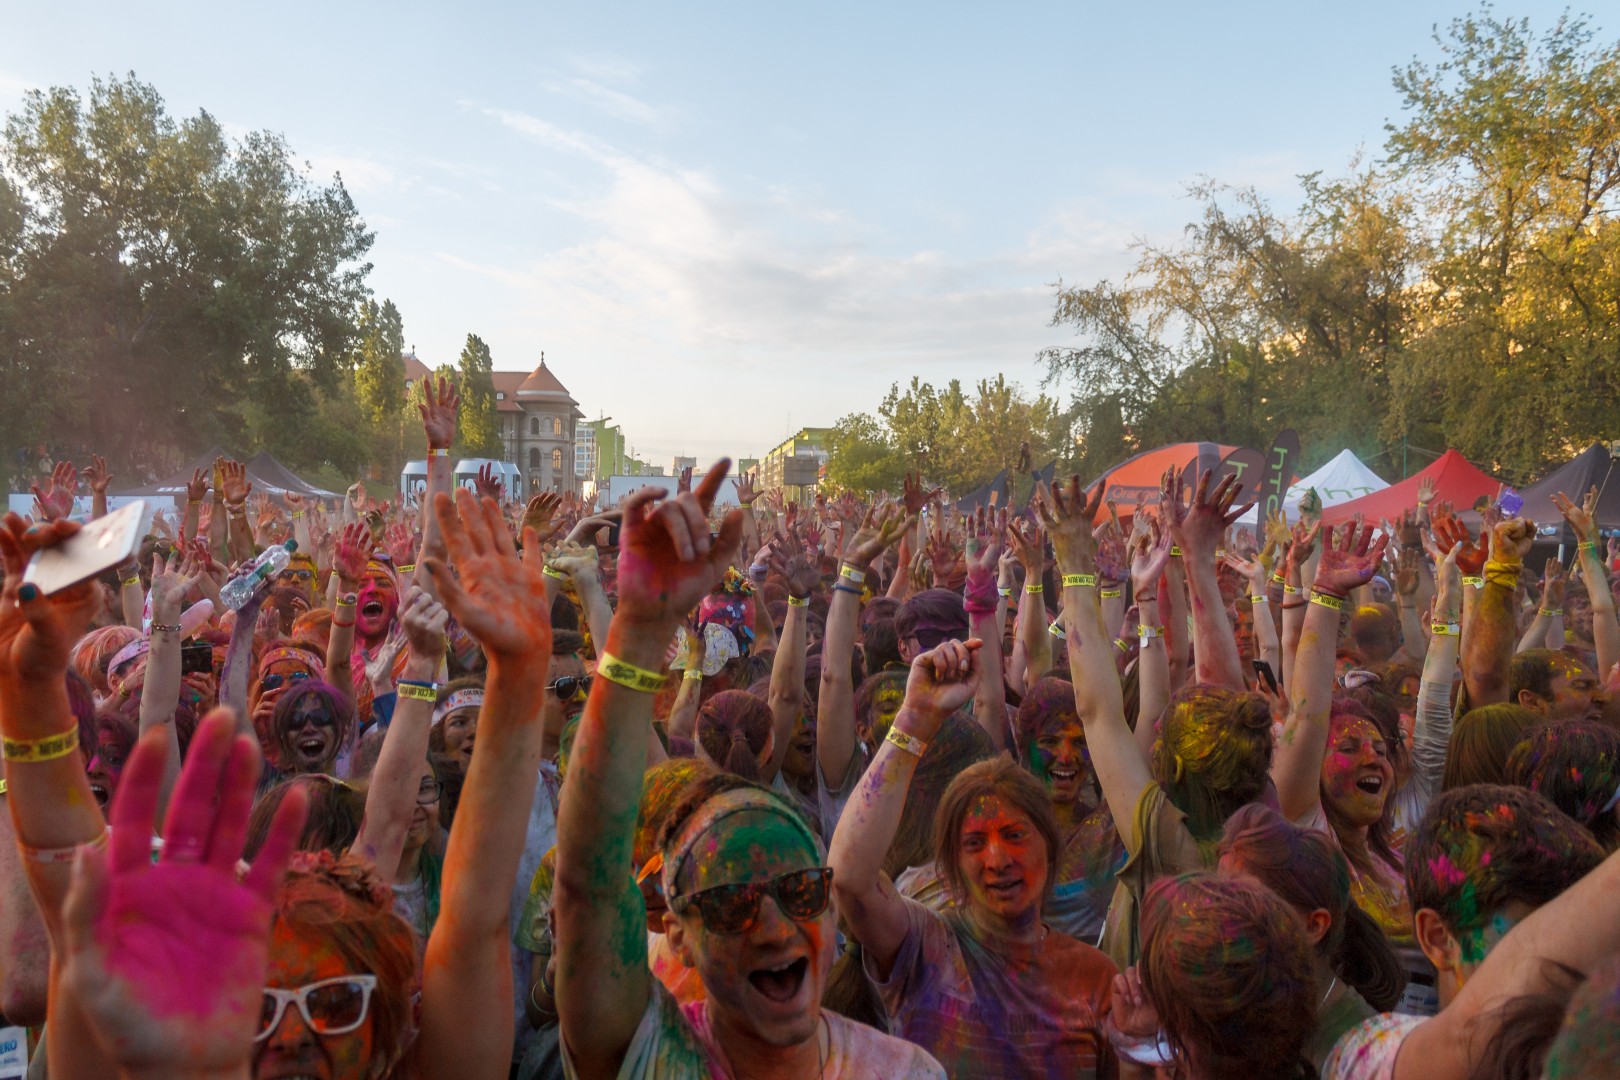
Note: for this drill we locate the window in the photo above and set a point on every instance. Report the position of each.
(499, 396)
(556, 425)
(534, 425)
(556, 462)
(534, 457)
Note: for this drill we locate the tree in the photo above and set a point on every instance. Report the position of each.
(379, 368)
(480, 431)
(156, 277)
(861, 457)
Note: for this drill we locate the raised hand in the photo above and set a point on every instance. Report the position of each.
(878, 533)
(1150, 555)
(802, 578)
(498, 598)
(915, 496)
(197, 486)
(1552, 585)
(1201, 526)
(1408, 571)
(747, 492)
(97, 476)
(1511, 540)
(171, 581)
(349, 560)
(234, 486)
(56, 499)
(423, 620)
(1426, 489)
(37, 632)
(941, 681)
(439, 410)
(1067, 516)
(400, 540)
(683, 482)
(1027, 541)
(540, 514)
(1277, 531)
(1579, 517)
(1112, 562)
(488, 484)
(1255, 571)
(1130, 1009)
(578, 561)
(1351, 562)
(1450, 533)
(667, 561)
(166, 960)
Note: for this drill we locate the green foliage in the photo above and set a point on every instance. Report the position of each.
(1465, 292)
(862, 457)
(480, 431)
(160, 282)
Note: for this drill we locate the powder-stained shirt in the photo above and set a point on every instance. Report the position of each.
(1164, 845)
(1368, 1052)
(1018, 1010)
(676, 1043)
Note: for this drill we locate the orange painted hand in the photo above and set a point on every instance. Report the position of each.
(499, 599)
(37, 632)
(667, 560)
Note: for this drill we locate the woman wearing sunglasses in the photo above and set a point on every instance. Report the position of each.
(986, 987)
(744, 876)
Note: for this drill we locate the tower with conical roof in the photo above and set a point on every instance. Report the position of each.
(538, 417)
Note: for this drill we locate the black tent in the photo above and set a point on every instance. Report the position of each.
(1591, 468)
(996, 496)
(264, 472)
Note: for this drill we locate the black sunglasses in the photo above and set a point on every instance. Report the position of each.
(569, 685)
(734, 909)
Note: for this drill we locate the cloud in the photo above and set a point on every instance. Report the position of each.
(606, 66)
(615, 103)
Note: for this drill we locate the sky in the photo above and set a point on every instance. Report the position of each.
(722, 222)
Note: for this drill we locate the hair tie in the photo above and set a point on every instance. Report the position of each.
(738, 735)
(1181, 767)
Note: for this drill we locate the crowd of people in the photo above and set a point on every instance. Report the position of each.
(862, 788)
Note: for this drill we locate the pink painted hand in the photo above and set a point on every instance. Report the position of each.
(1200, 527)
(498, 598)
(350, 559)
(667, 560)
(402, 544)
(1351, 562)
(167, 960)
(55, 500)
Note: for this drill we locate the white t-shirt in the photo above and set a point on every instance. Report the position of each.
(675, 1043)
(1368, 1051)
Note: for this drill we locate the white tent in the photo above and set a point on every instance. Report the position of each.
(1340, 480)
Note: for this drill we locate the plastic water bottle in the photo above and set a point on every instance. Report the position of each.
(239, 590)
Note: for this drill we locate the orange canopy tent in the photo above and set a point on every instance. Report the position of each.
(1456, 480)
(1139, 476)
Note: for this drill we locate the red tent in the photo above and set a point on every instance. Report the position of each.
(1456, 480)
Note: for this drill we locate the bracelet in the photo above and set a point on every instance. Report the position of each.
(49, 748)
(1122, 644)
(629, 676)
(166, 628)
(1110, 594)
(1033, 589)
(909, 743)
(1287, 606)
(348, 600)
(408, 568)
(1446, 629)
(434, 452)
(848, 571)
(839, 586)
(1140, 599)
(1327, 600)
(1084, 581)
(553, 573)
(340, 624)
(1003, 592)
(1290, 590)
(3, 787)
(296, 514)
(1147, 632)
(1055, 628)
(62, 854)
(798, 601)
(417, 691)
(693, 675)
(1259, 598)
(1278, 579)
(1175, 550)
(1476, 582)
(235, 509)
(193, 502)
(1551, 613)
(1504, 574)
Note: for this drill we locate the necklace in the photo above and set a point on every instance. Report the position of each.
(1331, 985)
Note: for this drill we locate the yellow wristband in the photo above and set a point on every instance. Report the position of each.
(1259, 598)
(1087, 581)
(1476, 582)
(693, 675)
(1446, 629)
(1034, 588)
(1290, 590)
(909, 743)
(408, 568)
(1174, 550)
(433, 453)
(550, 573)
(49, 748)
(1551, 613)
(857, 576)
(1110, 594)
(1147, 632)
(1327, 600)
(3, 788)
(136, 580)
(1003, 592)
(417, 692)
(798, 601)
(629, 676)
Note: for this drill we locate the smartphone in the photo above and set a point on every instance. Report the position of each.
(196, 658)
(98, 547)
(1263, 670)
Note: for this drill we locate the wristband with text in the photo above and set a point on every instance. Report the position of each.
(1110, 594)
(1446, 629)
(1476, 582)
(1290, 590)
(1087, 581)
(1278, 579)
(166, 628)
(1260, 598)
(798, 601)
(408, 568)
(1551, 613)
(1175, 549)
(1034, 588)
(1147, 632)
(418, 691)
(553, 573)
(1327, 600)
(848, 571)
(63, 854)
(434, 451)
(49, 748)
(1004, 592)
(908, 743)
(693, 675)
(629, 676)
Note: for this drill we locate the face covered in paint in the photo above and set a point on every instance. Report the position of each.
(886, 702)
(107, 763)
(377, 604)
(765, 980)
(801, 752)
(292, 1049)
(1003, 860)
(299, 574)
(1357, 776)
(1576, 693)
(460, 729)
(309, 742)
(1059, 759)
